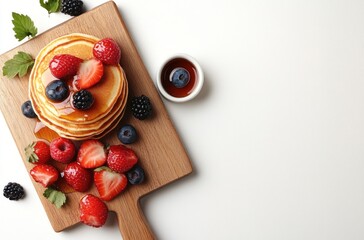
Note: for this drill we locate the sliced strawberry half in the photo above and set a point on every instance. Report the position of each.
(109, 183)
(89, 73)
(91, 154)
(44, 174)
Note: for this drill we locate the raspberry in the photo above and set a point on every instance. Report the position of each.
(107, 51)
(62, 150)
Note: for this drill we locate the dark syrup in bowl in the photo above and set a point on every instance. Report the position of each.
(167, 84)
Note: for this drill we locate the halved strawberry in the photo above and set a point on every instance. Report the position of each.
(89, 73)
(44, 174)
(93, 211)
(91, 154)
(109, 183)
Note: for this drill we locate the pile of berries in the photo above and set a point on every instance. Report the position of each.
(71, 71)
(111, 169)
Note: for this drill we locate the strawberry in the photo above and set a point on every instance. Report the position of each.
(77, 177)
(109, 183)
(38, 152)
(91, 154)
(44, 174)
(64, 65)
(62, 150)
(89, 73)
(93, 211)
(120, 158)
(108, 51)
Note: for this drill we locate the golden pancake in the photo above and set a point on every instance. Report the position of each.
(84, 131)
(110, 93)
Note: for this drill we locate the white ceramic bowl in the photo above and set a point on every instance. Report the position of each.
(199, 79)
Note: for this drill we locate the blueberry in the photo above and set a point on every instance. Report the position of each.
(57, 90)
(27, 109)
(127, 134)
(179, 77)
(135, 175)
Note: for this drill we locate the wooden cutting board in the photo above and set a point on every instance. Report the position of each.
(159, 148)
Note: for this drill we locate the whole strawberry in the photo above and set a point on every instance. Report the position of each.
(64, 65)
(77, 177)
(93, 211)
(38, 152)
(62, 150)
(120, 158)
(108, 51)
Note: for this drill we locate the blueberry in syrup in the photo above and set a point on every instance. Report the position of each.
(57, 91)
(179, 77)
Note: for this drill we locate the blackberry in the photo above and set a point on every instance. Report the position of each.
(72, 7)
(82, 100)
(13, 191)
(141, 107)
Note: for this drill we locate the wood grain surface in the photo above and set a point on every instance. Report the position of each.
(159, 148)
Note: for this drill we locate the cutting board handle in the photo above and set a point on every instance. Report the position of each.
(132, 223)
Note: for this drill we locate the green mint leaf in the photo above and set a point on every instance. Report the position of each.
(51, 6)
(23, 26)
(18, 65)
(58, 198)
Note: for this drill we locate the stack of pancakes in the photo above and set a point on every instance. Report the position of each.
(110, 94)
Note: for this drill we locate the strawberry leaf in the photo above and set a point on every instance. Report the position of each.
(18, 65)
(58, 198)
(23, 26)
(30, 154)
(51, 6)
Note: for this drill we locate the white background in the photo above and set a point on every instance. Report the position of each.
(276, 135)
